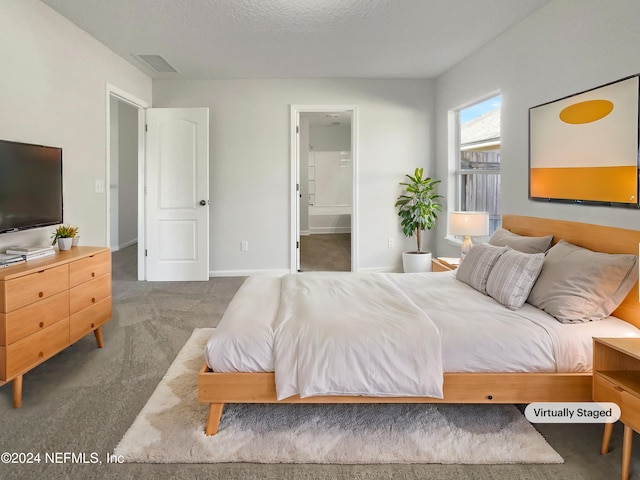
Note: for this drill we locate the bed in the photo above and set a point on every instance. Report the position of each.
(558, 369)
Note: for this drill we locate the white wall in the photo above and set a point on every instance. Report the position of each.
(304, 175)
(114, 167)
(127, 175)
(325, 138)
(565, 47)
(53, 92)
(250, 160)
(327, 141)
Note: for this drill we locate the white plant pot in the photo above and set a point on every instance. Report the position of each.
(413, 262)
(64, 243)
(75, 241)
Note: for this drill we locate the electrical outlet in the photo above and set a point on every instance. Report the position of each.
(244, 246)
(390, 242)
(99, 186)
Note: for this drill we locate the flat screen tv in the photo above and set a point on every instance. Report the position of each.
(30, 186)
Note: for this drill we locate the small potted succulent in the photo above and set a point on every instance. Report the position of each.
(64, 235)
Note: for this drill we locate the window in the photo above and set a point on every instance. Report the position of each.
(478, 159)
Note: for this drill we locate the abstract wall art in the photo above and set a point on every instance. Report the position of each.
(584, 148)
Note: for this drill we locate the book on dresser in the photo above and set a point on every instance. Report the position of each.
(30, 253)
(7, 259)
(30, 250)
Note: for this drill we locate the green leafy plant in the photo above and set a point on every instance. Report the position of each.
(419, 205)
(64, 231)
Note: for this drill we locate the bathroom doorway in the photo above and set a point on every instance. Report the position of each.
(326, 187)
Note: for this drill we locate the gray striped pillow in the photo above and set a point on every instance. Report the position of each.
(475, 267)
(513, 276)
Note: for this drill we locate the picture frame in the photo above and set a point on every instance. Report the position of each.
(584, 148)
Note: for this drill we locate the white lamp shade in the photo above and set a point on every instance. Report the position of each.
(473, 224)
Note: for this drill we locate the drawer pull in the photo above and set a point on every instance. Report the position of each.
(41, 294)
(93, 299)
(93, 274)
(41, 324)
(41, 354)
(93, 325)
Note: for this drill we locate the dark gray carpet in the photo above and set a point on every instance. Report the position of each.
(84, 399)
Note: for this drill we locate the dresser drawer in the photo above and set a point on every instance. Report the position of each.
(606, 391)
(86, 294)
(89, 268)
(33, 318)
(89, 319)
(35, 349)
(31, 288)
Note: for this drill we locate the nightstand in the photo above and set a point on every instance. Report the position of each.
(616, 378)
(442, 265)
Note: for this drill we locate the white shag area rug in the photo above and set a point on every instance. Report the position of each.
(170, 429)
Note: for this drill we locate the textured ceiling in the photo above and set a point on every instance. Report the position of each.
(296, 38)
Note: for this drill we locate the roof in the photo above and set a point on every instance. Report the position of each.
(482, 130)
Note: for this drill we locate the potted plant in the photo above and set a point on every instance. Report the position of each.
(64, 235)
(418, 208)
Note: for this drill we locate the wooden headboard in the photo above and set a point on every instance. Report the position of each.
(594, 237)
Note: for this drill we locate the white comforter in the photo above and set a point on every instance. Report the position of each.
(476, 334)
(353, 334)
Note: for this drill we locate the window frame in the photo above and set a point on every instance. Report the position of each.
(456, 169)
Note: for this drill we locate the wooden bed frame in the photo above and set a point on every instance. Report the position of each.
(216, 389)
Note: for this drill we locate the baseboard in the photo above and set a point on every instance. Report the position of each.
(124, 245)
(322, 230)
(246, 273)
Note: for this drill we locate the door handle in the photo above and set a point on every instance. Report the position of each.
(203, 202)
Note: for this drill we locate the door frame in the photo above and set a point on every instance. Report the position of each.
(114, 92)
(295, 112)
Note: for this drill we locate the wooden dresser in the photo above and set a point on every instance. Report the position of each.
(49, 303)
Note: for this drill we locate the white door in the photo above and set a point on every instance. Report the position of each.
(298, 195)
(177, 194)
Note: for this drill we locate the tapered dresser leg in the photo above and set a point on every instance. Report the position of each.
(98, 333)
(17, 391)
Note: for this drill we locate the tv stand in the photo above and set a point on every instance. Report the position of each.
(49, 303)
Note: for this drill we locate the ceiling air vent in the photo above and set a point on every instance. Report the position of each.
(156, 63)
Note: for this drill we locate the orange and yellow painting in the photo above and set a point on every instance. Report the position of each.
(585, 147)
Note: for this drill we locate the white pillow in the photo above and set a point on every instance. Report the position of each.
(512, 277)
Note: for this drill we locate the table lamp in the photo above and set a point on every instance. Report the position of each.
(468, 224)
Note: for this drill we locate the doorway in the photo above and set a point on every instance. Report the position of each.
(124, 177)
(324, 210)
(188, 256)
(123, 184)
